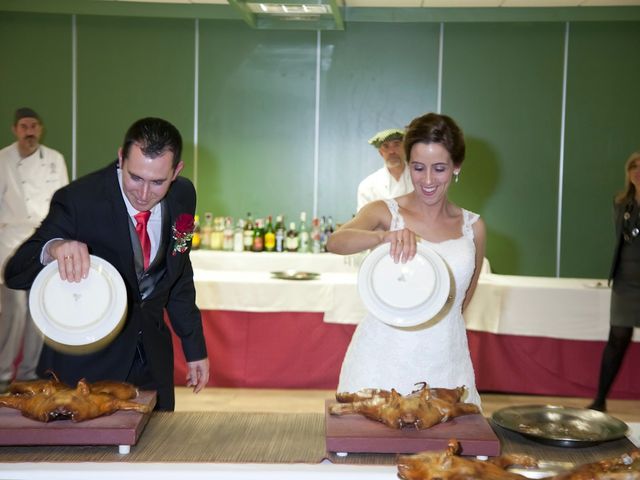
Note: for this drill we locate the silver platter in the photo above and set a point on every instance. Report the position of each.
(295, 275)
(561, 426)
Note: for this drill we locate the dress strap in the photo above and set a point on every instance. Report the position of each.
(468, 219)
(397, 222)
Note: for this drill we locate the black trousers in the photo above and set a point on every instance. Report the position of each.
(141, 377)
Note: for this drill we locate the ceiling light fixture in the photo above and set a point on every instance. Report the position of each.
(294, 14)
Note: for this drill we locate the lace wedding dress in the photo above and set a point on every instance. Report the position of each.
(436, 352)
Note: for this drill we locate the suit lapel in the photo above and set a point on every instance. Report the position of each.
(120, 228)
(167, 222)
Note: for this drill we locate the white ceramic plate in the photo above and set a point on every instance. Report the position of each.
(81, 315)
(404, 295)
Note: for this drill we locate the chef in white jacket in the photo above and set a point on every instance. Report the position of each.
(393, 179)
(29, 175)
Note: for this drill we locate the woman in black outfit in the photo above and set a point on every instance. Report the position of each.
(625, 274)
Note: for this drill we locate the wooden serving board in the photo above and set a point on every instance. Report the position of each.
(357, 434)
(120, 428)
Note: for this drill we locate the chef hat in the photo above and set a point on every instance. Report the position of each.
(385, 135)
(25, 112)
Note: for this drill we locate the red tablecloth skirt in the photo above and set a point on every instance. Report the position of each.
(300, 350)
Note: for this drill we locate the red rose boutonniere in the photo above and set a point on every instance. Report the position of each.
(182, 232)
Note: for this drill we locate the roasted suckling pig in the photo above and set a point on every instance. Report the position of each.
(422, 408)
(46, 400)
(623, 467)
(449, 466)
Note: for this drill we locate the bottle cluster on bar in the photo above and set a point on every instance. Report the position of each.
(249, 235)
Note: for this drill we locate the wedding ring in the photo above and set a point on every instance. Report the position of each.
(68, 257)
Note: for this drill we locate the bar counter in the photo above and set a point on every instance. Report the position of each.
(528, 335)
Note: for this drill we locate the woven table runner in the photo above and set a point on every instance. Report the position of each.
(223, 437)
(189, 437)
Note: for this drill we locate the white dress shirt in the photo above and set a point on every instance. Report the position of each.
(26, 187)
(381, 185)
(154, 225)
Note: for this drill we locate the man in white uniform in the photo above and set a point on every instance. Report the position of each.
(29, 175)
(393, 179)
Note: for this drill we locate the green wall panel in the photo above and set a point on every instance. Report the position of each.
(257, 91)
(129, 68)
(502, 82)
(35, 71)
(503, 85)
(374, 76)
(603, 128)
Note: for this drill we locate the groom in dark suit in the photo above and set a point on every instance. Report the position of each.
(137, 215)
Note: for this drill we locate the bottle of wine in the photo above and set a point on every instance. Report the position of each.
(303, 234)
(258, 237)
(248, 233)
(269, 236)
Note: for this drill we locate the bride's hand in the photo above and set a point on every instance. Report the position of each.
(403, 244)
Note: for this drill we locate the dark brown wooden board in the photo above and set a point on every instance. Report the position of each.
(120, 428)
(357, 434)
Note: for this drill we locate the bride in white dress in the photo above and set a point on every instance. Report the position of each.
(436, 352)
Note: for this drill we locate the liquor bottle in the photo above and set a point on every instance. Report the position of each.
(328, 230)
(207, 228)
(291, 243)
(258, 237)
(197, 236)
(238, 236)
(316, 236)
(303, 234)
(323, 238)
(248, 233)
(269, 236)
(227, 235)
(217, 234)
(280, 233)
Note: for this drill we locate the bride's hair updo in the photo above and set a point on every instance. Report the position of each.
(436, 128)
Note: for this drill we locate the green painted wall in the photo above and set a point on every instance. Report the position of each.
(603, 128)
(257, 111)
(503, 84)
(130, 68)
(374, 76)
(256, 120)
(35, 71)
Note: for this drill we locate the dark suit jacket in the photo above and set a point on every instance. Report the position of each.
(92, 210)
(618, 218)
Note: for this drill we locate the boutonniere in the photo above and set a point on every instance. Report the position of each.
(182, 232)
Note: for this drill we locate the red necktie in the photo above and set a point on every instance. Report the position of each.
(141, 229)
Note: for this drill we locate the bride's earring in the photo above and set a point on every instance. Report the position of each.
(456, 176)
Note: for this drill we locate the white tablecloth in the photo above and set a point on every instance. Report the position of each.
(561, 308)
(193, 471)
